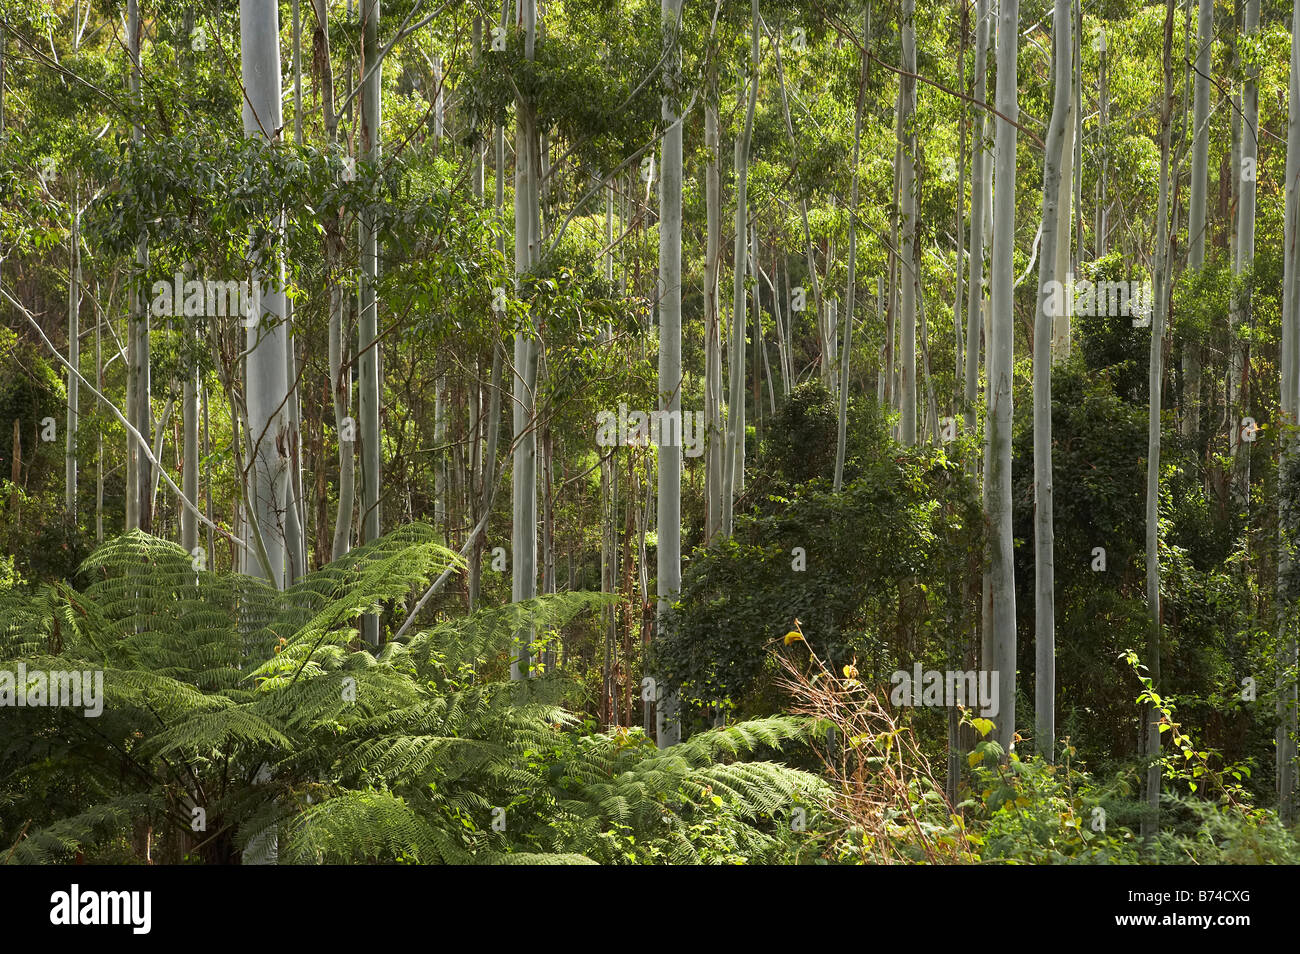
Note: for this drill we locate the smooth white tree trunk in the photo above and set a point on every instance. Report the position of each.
(1000, 634)
(908, 222)
(734, 466)
(1052, 296)
(368, 345)
(267, 340)
(669, 517)
(1197, 221)
(1161, 281)
(523, 536)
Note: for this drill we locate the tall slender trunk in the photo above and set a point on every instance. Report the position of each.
(1288, 505)
(1101, 227)
(368, 345)
(715, 438)
(295, 518)
(824, 346)
(907, 197)
(74, 353)
(1162, 284)
(1060, 267)
(734, 466)
(1052, 297)
(523, 535)
(978, 211)
(959, 212)
(139, 482)
(850, 291)
(1196, 211)
(1000, 635)
(1240, 312)
(669, 517)
(268, 337)
(340, 365)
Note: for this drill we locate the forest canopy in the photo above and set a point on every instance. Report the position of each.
(630, 432)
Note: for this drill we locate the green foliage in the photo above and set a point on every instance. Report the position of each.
(809, 557)
(263, 709)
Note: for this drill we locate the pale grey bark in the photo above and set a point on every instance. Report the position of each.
(1243, 262)
(978, 210)
(669, 518)
(368, 345)
(1000, 634)
(523, 536)
(268, 339)
(1051, 303)
(74, 353)
(190, 457)
(139, 475)
(734, 465)
(1061, 267)
(295, 509)
(715, 438)
(824, 345)
(908, 276)
(1161, 282)
(850, 292)
(340, 366)
(1101, 227)
(1197, 221)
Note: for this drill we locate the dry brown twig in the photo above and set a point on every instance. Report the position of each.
(891, 808)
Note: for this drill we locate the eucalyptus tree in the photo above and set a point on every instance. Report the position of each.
(1051, 304)
(850, 292)
(1288, 506)
(978, 212)
(1243, 259)
(340, 367)
(1197, 222)
(734, 465)
(910, 279)
(999, 637)
(369, 390)
(139, 482)
(1162, 284)
(523, 534)
(74, 351)
(715, 439)
(267, 361)
(669, 578)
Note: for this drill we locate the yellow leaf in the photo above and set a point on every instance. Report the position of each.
(793, 636)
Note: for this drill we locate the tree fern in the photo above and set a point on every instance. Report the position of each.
(232, 711)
